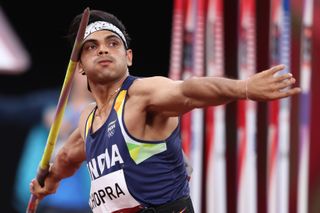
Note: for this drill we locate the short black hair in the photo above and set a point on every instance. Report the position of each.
(97, 15)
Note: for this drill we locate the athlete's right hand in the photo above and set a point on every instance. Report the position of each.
(40, 192)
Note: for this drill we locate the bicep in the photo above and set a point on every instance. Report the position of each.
(164, 95)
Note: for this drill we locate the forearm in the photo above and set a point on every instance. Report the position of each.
(262, 86)
(174, 98)
(66, 163)
(69, 157)
(63, 167)
(208, 91)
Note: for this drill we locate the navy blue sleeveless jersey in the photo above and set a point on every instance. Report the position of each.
(154, 171)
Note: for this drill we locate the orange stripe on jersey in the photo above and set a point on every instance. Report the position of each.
(119, 100)
(88, 124)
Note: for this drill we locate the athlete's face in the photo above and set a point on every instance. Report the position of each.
(104, 57)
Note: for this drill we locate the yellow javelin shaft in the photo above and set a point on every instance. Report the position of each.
(55, 128)
(63, 99)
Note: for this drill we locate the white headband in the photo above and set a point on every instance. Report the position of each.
(102, 25)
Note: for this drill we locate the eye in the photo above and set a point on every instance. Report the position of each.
(113, 43)
(90, 46)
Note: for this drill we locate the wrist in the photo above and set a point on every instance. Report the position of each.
(242, 89)
(246, 89)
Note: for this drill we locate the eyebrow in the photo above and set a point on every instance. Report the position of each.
(106, 38)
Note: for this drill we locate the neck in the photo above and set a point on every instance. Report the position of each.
(105, 94)
(105, 105)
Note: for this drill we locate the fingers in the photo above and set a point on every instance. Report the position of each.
(282, 87)
(275, 69)
(268, 85)
(289, 92)
(34, 186)
(36, 189)
(286, 76)
(285, 83)
(282, 81)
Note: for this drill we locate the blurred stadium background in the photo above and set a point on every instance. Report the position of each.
(247, 156)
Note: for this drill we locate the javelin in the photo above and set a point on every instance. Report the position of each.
(43, 168)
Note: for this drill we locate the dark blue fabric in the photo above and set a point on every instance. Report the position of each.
(159, 179)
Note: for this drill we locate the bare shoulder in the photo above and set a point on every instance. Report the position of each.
(153, 80)
(149, 84)
(84, 116)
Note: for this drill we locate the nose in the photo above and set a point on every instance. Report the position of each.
(103, 50)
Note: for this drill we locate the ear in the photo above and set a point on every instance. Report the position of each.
(80, 69)
(129, 57)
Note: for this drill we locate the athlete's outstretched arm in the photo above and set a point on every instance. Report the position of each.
(66, 163)
(177, 97)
